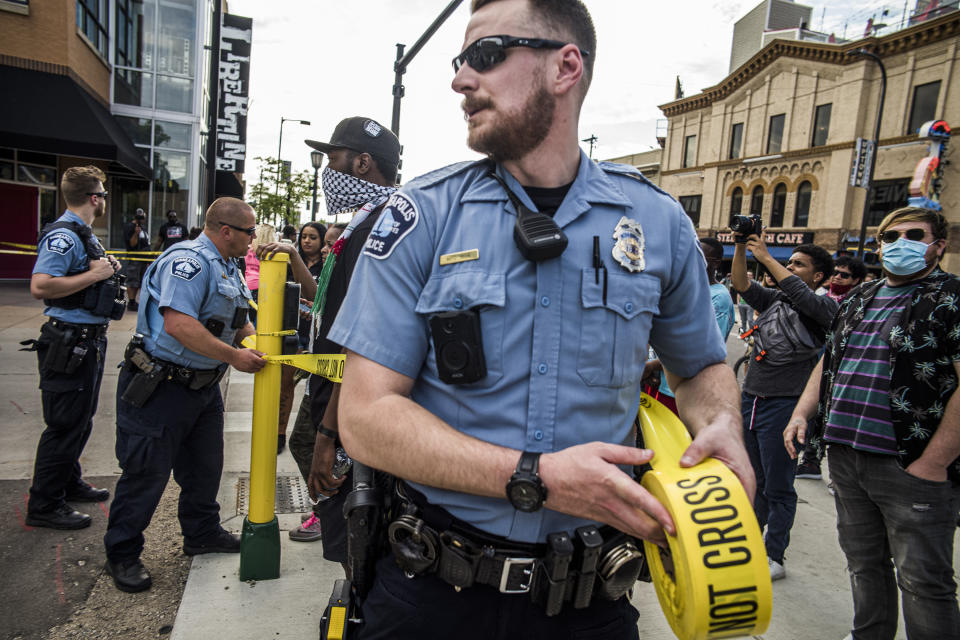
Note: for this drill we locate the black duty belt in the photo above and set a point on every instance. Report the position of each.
(193, 378)
(84, 331)
(565, 569)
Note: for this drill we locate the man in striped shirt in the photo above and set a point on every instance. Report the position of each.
(885, 406)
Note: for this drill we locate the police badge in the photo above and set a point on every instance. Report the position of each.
(629, 245)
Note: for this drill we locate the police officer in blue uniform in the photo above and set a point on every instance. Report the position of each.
(559, 271)
(192, 317)
(70, 273)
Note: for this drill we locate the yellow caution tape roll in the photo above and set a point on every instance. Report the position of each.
(714, 582)
(329, 366)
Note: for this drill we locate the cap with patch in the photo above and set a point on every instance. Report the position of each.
(364, 135)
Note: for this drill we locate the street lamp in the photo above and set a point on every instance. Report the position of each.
(316, 159)
(276, 190)
(876, 143)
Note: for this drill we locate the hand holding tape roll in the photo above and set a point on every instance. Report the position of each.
(714, 581)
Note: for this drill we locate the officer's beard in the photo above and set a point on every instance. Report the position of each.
(514, 135)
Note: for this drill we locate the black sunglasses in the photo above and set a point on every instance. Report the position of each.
(102, 194)
(916, 235)
(250, 231)
(490, 51)
(842, 274)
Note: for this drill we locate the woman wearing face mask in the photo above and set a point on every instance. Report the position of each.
(310, 249)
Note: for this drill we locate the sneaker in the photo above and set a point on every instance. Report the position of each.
(281, 442)
(809, 470)
(223, 542)
(132, 305)
(833, 491)
(63, 517)
(777, 572)
(309, 531)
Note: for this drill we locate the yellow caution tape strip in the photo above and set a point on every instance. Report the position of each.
(329, 366)
(719, 585)
(19, 246)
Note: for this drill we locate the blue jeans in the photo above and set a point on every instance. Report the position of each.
(764, 420)
(888, 518)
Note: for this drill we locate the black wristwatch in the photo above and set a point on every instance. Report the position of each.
(525, 491)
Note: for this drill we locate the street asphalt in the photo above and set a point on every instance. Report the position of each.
(58, 568)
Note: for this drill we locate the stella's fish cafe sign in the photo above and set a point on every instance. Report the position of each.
(774, 239)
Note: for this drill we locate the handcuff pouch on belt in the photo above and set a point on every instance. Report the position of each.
(570, 571)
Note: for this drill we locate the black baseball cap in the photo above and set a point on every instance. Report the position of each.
(364, 135)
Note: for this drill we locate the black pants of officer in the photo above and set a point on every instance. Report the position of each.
(69, 404)
(425, 607)
(177, 429)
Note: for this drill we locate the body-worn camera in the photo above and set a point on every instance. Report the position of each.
(459, 346)
(743, 226)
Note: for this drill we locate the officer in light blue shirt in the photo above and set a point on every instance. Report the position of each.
(192, 318)
(70, 274)
(565, 269)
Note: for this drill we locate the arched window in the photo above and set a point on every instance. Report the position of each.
(756, 201)
(779, 205)
(801, 217)
(736, 202)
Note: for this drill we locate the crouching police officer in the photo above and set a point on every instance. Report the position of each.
(193, 313)
(77, 282)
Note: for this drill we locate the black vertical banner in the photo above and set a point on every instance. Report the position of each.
(235, 38)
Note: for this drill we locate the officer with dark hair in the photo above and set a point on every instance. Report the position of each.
(193, 316)
(71, 273)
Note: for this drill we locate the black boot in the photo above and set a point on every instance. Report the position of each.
(129, 575)
(63, 517)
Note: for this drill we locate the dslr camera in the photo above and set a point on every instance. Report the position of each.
(743, 226)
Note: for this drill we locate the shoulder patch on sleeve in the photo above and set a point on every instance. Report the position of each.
(185, 268)
(60, 242)
(398, 218)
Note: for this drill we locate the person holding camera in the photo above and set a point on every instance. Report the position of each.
(192, 320)
(496, 329)
(788, 336)
(135, 235)
(71, 275)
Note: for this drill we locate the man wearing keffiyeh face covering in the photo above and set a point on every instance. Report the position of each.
(359, 177)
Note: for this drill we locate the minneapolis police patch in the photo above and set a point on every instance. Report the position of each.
(60, 242)
(398, 219)
(185, 268)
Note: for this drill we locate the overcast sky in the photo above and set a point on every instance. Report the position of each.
(324, 60)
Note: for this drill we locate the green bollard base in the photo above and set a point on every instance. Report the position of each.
(260, 550)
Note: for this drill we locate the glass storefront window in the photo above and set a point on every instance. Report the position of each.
(137, 128)
(177, 41)
(48, 206)
(172, 135)
(175, 94)
(133, 87)
(6, 170)
(36, 175)
(135, 24)
(171, 184)
(126, 196)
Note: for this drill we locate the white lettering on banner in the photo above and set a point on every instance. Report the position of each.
(236, 34)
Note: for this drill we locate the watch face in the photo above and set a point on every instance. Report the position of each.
(524, 495)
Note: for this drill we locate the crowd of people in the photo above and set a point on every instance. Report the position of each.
(495, 374)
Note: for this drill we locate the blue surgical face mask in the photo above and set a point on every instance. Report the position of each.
(904, 257)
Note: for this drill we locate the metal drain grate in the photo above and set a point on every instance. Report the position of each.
(292, 496)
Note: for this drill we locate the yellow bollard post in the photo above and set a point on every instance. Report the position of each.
(260, 541)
